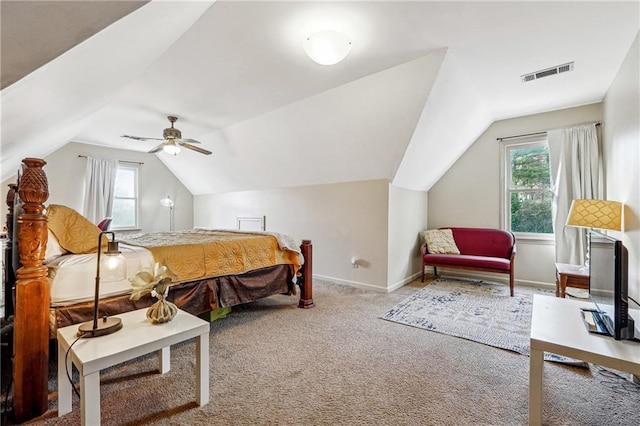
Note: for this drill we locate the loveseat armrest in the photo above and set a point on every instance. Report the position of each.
(423, 249)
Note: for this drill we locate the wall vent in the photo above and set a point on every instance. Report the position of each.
(547, 72)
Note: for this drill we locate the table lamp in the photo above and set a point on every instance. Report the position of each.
(595, 214)
(113, 267)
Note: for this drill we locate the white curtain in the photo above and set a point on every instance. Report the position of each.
(576, 173)
(99, 188)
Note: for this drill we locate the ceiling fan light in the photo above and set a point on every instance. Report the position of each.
(171, 149)
(327, 47)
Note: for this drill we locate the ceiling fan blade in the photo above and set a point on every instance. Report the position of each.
(157, 148)
(187, 141)
(195, 148)
(140, 138)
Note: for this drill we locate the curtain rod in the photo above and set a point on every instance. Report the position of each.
(528, 134)
(119, 161)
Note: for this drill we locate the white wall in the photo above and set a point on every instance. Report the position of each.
(342, 220)
(373, 221)
(407, 218)
(621, 136)
(469, 193)
(66, 171)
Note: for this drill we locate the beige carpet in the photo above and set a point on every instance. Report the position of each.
(340, 364)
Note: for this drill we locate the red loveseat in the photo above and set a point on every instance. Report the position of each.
(481, 249)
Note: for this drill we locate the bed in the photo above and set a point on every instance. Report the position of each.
(52, 288)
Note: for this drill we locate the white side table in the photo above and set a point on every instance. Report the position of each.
(557, 327)
(137, 337)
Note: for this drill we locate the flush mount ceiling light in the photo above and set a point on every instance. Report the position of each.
(327, 47)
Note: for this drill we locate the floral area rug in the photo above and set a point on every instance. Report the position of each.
(480, 311)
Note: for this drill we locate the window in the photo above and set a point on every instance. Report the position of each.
(125, 202)
(527, 182)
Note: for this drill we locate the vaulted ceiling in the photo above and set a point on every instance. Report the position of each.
(423, 80)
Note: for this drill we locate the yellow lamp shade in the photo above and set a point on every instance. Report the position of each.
(596, 214)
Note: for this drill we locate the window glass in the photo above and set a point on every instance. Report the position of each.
(528, 197)
(125, 203)
(125, 183)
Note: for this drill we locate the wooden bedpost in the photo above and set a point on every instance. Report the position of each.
(306, 289)
(9, 273)
(31, 326)
(11, 199)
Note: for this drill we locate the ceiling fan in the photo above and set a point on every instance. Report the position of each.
(173, 140)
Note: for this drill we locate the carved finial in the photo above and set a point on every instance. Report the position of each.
(11, 195)
(34, 188)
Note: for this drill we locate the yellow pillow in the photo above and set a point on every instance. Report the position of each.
(74, 232)
(440, 241)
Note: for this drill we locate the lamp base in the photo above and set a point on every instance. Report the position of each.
(105, 326)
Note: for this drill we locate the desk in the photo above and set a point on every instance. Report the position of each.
(557, 327)
(570, 276)
(137, 337)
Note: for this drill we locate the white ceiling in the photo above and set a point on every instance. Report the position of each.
(422, 82)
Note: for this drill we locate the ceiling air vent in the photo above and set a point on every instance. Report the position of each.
(547, 72)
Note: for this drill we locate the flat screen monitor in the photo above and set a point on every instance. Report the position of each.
(608, 287)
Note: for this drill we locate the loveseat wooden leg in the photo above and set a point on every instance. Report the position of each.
(511, 283)
(422, 272)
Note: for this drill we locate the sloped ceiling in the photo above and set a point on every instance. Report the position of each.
(423, 81)
(25, 49)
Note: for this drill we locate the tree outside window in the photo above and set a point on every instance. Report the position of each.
(528, 188)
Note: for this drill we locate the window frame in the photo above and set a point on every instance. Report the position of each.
(505, 188)
(136, 169)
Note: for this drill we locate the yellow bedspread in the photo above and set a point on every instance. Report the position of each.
(197, 254)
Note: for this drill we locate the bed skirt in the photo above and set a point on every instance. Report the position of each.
(195, 297)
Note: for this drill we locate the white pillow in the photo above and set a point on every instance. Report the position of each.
(440, 241)
(54, 250)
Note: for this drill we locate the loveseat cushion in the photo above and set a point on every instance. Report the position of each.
(484, 242)
(461, 260)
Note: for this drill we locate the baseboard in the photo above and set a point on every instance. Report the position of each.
(366, 286)
(499, 278)
(404, 282)
(356, 284)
